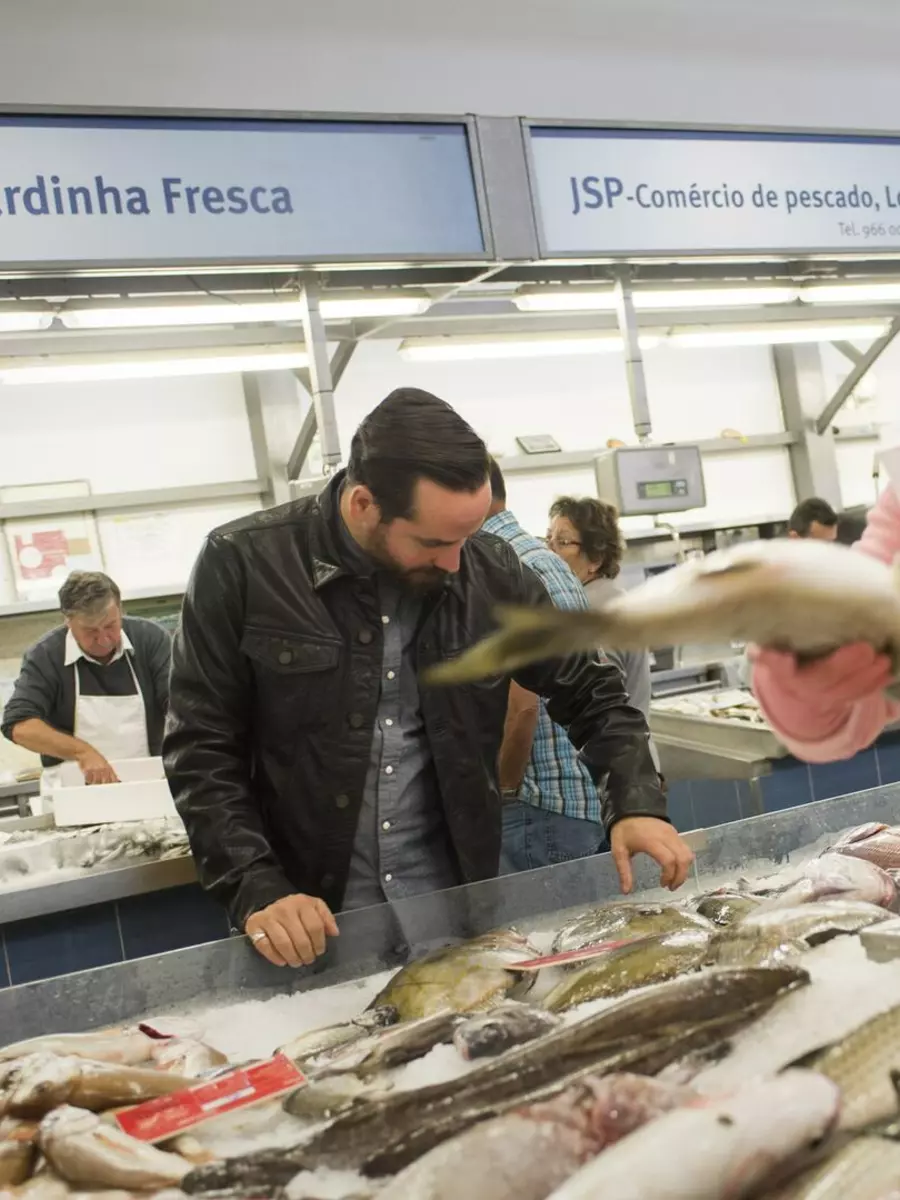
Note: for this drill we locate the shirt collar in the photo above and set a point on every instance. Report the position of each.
(500, 523)
(74, 651)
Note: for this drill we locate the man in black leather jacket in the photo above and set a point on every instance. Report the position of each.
(312, 771)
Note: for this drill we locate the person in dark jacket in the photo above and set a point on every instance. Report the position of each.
(94, 689)
(312, 770)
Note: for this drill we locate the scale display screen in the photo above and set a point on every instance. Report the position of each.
(651, 480)
(662, 489)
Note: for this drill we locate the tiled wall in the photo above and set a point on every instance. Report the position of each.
(699, 803)
(108, 933)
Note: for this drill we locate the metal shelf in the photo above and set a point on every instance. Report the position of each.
(27, 607)
(118, 501)
(573, 459)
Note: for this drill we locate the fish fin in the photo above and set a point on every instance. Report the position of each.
(719, 568)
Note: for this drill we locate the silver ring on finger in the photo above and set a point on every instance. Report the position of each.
(258, 937)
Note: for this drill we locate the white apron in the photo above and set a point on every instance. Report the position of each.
(116, 726)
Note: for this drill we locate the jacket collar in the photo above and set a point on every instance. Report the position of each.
(329, 557)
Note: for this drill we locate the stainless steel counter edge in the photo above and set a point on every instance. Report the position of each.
(94, 887)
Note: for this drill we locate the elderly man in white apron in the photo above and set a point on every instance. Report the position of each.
(92, 691)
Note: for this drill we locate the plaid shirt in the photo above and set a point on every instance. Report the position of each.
(556, 779)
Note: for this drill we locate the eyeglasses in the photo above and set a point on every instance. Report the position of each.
(562, 543)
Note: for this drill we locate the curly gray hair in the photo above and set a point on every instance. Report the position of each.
(86, 592)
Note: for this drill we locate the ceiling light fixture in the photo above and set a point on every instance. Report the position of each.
(24, 320)
(587, 299)
(95, 368)
(141, 315)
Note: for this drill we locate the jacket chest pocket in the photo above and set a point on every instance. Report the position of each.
(297, 678)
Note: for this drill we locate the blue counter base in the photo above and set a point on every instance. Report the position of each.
(699, 803)
(109, 933)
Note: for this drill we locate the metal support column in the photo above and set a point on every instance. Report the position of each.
(253, 405)
(634, 362)
(310, 426)
(853, 380)
(802, 387)
(320, 375)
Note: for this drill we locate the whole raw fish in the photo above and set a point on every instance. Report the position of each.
(316, 1042)
(17, 1150)
(527, 1153)
(322, 1099)
(715, 1150)
(509, 1024)
(879, 844)
(84, 1150)
(801, 595)
(187, 1057)
(867, 1168)
(34, 1085)
(388, 1048)
(648, 960)
(837, 876)
(464, 978)
(865, 1066)
(644, 1032)
(725, 908)
(129, 1046)
(625, 919)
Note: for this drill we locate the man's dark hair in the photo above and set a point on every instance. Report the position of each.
(498, 483)
(86, 592)
(597, 526)
(811, 511)
(413, 435)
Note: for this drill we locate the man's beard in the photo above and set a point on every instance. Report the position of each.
(419, 580)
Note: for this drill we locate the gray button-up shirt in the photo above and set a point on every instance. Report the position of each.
(402, 847)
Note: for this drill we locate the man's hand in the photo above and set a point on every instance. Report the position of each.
(295, 929)
(649, 835)
(95, 768)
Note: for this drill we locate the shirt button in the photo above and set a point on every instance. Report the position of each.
(388, 770)
(365, 636)
(385, 620)
(356, 720)
(342, 801)
(385, 824)
(388, 877)
(388, 722)
(286, 657)
(392, 674)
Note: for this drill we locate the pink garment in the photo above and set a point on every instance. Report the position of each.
(836, 707)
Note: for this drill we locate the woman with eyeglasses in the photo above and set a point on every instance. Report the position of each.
(585, 533)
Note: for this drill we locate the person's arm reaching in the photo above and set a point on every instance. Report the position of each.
(835, 707)
(26, 722)
(522, 713)
(587, 697)
(206, 751)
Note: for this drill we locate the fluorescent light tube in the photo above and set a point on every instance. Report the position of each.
(462, 349)
(588, 299)
(93, 368)
(22, 321)
(850, 293)
(141, 315)
(774, 335)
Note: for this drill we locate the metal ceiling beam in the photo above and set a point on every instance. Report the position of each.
(119, 501)
(801, 387)
(634, 359)
(316, 340)
(860, 370)
(258, 442)
(307, 435)
(848, 350)
(303, 444)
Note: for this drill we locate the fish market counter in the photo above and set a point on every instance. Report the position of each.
(80, 898)
(423, 1058)
(384, 936)
(723, 763)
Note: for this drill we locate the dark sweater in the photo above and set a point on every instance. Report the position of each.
(45, 687)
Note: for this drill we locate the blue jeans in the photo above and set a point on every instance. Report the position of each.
(533, 837)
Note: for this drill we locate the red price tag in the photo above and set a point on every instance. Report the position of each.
(166, 1116)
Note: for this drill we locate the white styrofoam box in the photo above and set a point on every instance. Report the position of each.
(129, 770)
(141, 800)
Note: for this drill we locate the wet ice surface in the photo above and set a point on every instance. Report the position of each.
(846, 989)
